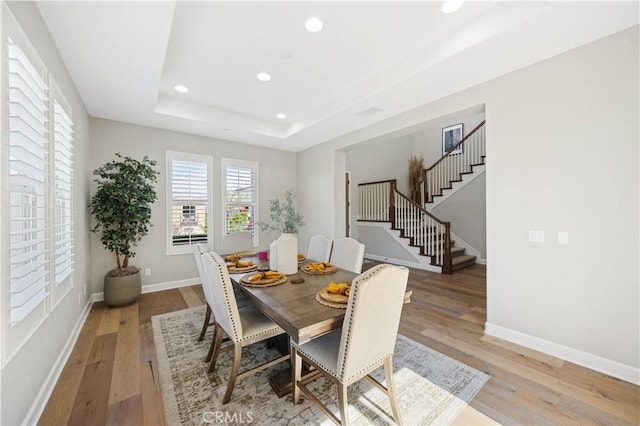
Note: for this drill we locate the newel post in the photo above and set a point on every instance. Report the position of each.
(392, 203)
(447, 265)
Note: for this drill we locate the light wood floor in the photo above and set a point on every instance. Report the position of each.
(111, 376)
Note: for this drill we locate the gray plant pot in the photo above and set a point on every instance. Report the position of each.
(122, 290)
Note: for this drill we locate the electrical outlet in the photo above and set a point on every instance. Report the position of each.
(147, 271)
(536, 236)
(563, 237)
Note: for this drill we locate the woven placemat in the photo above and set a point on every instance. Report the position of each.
(320, 300)
(261, 283)
(234, 270)
(325, 271)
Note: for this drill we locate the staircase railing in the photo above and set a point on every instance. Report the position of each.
(382, 202)
(470, 151)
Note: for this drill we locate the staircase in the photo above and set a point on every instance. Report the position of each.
(413, 223)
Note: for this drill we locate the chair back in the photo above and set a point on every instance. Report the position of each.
(198, 251)
(348, 254)
(237, 241)
(223, 305)
(372, 318)
(319, 248)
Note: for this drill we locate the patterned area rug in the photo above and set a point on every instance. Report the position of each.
(432, 388)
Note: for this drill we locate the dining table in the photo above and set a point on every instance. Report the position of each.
(293, 306)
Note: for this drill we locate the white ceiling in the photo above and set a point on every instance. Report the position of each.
(371, 61)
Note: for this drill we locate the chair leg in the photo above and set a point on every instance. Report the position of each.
(391, 389)
(205, 325)
(237, 355)
(212, 345)
(296, 372)
(217, 342)
(343, 404)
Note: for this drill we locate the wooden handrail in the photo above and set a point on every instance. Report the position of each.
(475, 129)
(441, 222)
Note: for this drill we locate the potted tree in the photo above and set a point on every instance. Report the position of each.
(121, 208)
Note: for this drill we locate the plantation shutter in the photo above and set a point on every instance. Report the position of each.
(190, 202)
(240, 196)
(63, 183)
(28, 156)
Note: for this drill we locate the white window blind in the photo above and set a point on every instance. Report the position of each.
(63, 190)
(189, 200)
(240, 182)
(28, 185)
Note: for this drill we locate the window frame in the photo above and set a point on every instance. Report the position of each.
(15, 334)
(254, 166)
(171, 156)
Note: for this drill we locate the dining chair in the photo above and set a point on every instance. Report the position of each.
(236, 242)
(347, 355)
(244, 326)
(348, 254)
(319, 248)
(198, 251)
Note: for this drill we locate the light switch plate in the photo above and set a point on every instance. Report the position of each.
(563, 237)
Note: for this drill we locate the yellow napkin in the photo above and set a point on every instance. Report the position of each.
(265, 275)
(338, 288)
(233, 257)
(318, 266)
(300, 256)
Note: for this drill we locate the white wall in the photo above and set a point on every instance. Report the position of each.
(30, 375)
(562, 138)
(276, 173)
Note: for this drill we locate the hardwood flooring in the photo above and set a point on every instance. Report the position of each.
(111, 376)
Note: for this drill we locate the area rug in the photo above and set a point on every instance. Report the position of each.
(431, 387)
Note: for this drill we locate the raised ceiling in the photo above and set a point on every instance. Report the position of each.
(371, 61)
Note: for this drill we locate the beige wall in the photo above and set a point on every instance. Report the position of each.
(276, 173)
(562, 150)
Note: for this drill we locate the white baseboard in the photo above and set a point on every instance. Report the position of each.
(40, 401)
(415, 265)
(152, 288)
(594, 362)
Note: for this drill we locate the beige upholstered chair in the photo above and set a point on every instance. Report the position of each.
(319, 248)
(348, 254)
(236, 242)
(198, 251)
(365, 342)
(244, 326)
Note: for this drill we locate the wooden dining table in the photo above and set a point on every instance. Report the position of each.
(294, 307)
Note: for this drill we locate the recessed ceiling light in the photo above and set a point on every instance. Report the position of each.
(263, 76)
(450, 6)
(313, 24)
(180, 88)
(281, 116)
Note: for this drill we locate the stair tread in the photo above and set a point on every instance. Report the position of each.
(462, 259)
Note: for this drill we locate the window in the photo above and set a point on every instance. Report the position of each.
(37, 266)
(188, 201)
(63, 233)
(240, 196)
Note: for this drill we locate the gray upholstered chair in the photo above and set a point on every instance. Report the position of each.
(365, 342)
(236, 242)
(319, 248)
(244, 326)
(348, 254)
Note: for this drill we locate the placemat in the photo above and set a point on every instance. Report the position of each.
(234, 270)
(330, 270)
(267, 282)
(320, 300)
